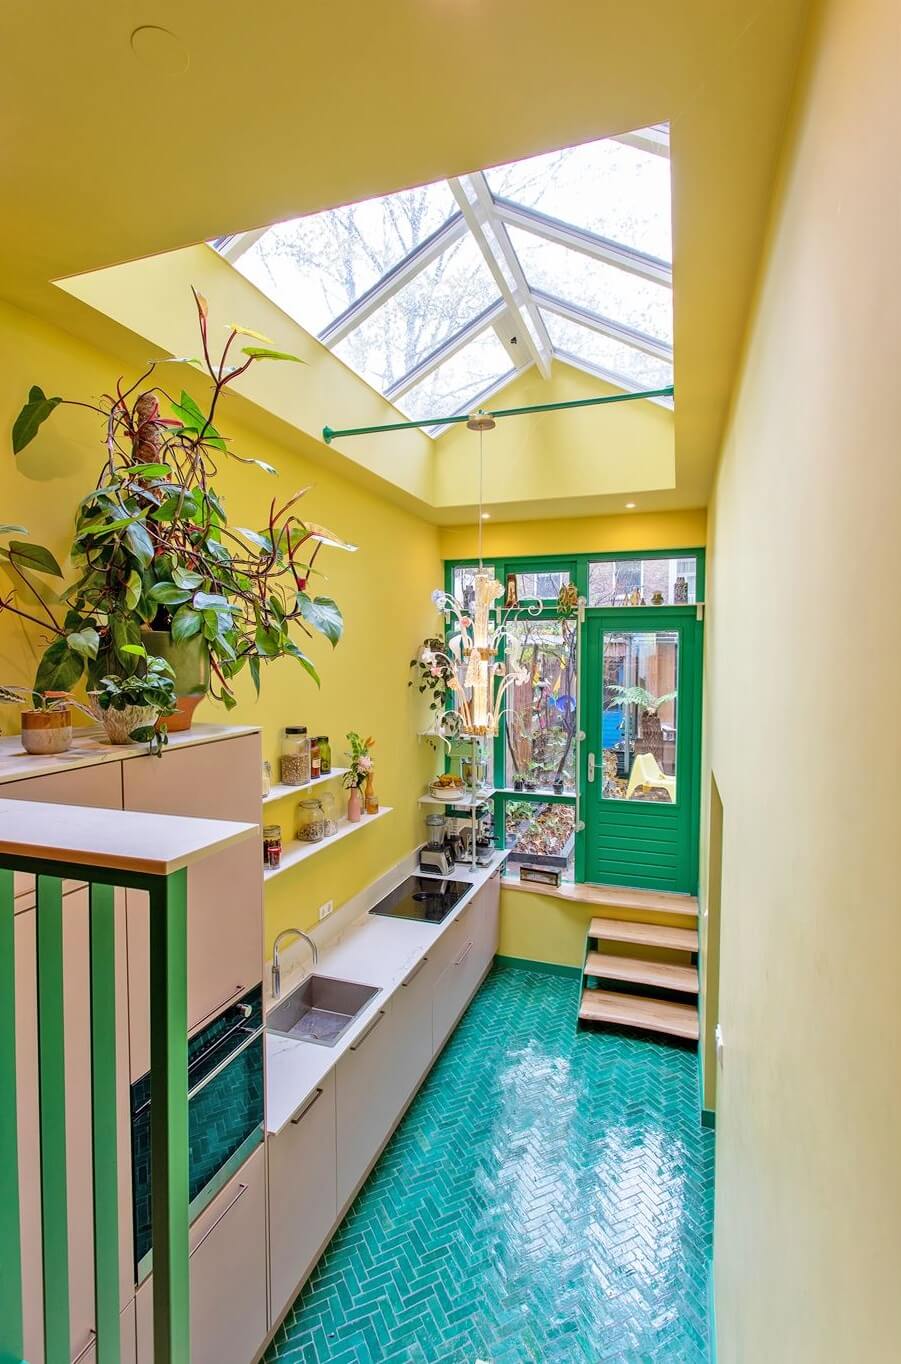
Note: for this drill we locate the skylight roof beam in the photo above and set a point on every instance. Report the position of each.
(481, 398)
(610, 376)
(447, 348)
(394, 280)
(654, 140)
(477, 205)
(234, 247)
(617, 331)
(578, 239)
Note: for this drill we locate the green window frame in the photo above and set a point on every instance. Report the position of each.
(577, 565)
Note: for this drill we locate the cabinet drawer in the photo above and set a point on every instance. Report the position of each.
(454, 988)
(303, 1202)
(412, 1006)
(228, 1275)
(366, 1100)
(98, 787)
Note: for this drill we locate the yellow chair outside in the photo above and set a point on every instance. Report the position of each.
(646, 771)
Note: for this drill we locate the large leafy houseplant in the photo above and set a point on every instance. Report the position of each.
(153, 546)
(649, 707)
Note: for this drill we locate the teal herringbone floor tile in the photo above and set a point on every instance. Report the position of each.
(546, 1200)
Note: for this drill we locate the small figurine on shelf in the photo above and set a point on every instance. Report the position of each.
(657, 599)
(357, 775)
(680, 591)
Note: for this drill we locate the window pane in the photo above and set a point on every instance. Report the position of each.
(582, 343)
(464, 584)
(638, 738)
(541, 712)
(576, 278)
(478, 366)
(543, 586)
(316, 267)
(541, 834)
(611, 189)
(657, 582)
(437, 302)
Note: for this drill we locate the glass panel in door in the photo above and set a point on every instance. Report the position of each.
(639, 731)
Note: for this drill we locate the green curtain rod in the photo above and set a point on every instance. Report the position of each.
(328, 435)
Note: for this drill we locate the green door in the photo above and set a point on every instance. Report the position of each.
(641, 684)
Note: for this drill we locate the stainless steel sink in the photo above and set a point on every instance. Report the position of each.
(320, 1010)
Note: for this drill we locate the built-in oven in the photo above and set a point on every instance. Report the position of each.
(225, 1113)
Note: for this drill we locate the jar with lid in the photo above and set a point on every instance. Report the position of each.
(310, 821)
(295, 757)
(315, 759)
(325, 754)
(272, 846)
(329, 814)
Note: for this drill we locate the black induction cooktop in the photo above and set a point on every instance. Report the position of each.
(425, 898)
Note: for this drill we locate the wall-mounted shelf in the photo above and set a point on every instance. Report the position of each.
(280, 791)
(295, 852)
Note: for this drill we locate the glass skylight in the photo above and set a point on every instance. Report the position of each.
(576, 343)
(423, 292)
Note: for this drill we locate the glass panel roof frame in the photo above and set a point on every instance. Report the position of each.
(485, 217)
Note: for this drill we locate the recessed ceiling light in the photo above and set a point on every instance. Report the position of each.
(630, 506)
(486, 516)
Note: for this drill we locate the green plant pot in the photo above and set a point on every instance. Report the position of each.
(190, 661)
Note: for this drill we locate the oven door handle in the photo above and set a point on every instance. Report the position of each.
(217, 1070)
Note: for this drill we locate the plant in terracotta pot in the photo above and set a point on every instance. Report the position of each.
(157, 562)
(132, 707)
(46, 720)
(357, 774)
(648, 706)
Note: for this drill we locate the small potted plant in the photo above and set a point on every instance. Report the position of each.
(433, 672)
(46, 718)
(357, 774)
(131, 707)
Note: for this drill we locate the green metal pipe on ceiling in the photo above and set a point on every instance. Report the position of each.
(328, 434)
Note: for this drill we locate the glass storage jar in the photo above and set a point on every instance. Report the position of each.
(295, 757)
(272, 846)
(329, 813)
(310, 821)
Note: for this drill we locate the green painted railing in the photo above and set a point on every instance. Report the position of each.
(144, 852)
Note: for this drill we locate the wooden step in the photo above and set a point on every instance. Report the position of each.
(612, 897)
(646, 935)
(662, 974)
(633, 1011)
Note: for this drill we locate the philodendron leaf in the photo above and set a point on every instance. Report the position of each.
(184, 577)
(264, 353)
(34, 558)
(133, 589)
(262, 542)
(168, 594)
(10, 530)
(193, 420)
(33, 414)
(139, 543)
(327, 537)
(85, 642)
(323, 614)
(59, 668)
(292, 649)
(246, 331)
(186, 623)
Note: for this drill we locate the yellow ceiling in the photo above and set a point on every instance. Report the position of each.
(251, 114)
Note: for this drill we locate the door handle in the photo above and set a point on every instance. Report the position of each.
(591, 762)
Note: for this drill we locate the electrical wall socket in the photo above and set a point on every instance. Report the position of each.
(326, 909)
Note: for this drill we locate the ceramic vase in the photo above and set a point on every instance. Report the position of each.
(46, 731)
(354, 804)
(119, 723)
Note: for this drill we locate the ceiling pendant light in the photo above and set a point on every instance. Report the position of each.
(478, 679)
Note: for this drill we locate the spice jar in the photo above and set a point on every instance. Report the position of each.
(310, 821)
(272, 846)
(295, 756)
(315, 761)
(325, 754)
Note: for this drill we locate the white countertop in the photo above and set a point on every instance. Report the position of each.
(90, 748)
(371, 950)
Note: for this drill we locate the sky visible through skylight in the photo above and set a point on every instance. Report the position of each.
(438, 296)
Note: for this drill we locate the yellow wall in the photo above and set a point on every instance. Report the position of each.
(579, 535)
(803, 651)
(383, 590)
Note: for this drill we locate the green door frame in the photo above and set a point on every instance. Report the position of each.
(577, 565)
(608, 620)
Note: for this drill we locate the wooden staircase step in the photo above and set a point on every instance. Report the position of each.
(656, 901)
(634, 1011)
(661, 974)
(644, 935)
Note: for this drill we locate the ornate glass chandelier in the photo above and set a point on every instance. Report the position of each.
(477, 677)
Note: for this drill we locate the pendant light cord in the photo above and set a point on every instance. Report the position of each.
(481, 482)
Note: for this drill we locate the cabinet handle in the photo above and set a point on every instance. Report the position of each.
(305, 1108)
(354, 1046)
(242, 1190)
(238, 990)
(415, 972)
(464, 954)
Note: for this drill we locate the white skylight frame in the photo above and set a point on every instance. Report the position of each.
(516, 313)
